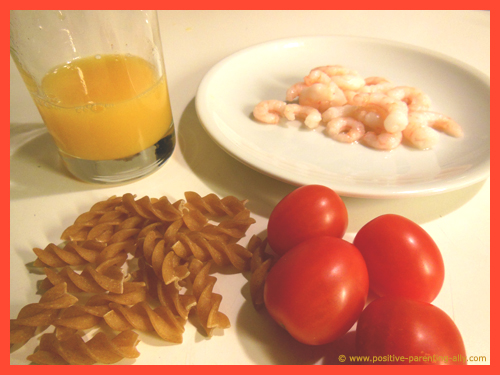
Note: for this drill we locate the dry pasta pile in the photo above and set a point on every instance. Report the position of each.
(137, 265)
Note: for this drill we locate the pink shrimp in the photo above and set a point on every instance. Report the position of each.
(321, 91)
(371, 117)
(376, 84)
(310, 115)
(269, 111)
(346, 79)
(397, 111)
(317, 76)
(339, 111)
(413, 97)
(420, 135)
(349, 95)
(345, 129)
(348, 123)
(294, 91)
(422, 125)
(383, 140)
(322, 96)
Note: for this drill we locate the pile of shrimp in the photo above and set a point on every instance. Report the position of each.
(372, 111)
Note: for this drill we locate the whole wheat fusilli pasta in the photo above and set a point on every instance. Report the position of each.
(73, 350)
(144, 318)
(43, 313)
(139, 265)
(213, 205)
(208, 302)
(260, 266)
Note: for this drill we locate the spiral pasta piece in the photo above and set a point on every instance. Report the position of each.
(208, 303)
(223, 254)
(108, 233)
(78, 317)
(39, 314)
(213, 205)
(230, 230)
(106, 277)
(194, 220)
(75, 351)
(98, 210)
(111, 228)
(117, 250)
(187, 246)
(236, 254)
(89, 251)
(72, 254)
(79, 230)
(170, 233)
(143, 318)
(167, 295)
(109, 204)
(167, 265)
(133, 293)
(158, 210)
(76, 282)
(260, 266)
(81, 317)
(130, 214)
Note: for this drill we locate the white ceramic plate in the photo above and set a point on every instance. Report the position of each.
(291, 153)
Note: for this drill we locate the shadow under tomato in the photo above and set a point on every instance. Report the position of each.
(340, 351)
(267, 343)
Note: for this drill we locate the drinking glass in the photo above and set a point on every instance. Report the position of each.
(98, 80)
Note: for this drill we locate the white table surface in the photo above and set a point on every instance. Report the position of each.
(45, 199)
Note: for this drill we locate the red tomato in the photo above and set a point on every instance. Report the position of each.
(307, 212)
(402, 259)
(317, 290)
(394, 330)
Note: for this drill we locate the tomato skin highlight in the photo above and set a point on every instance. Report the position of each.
(400, 327)
(308, 211)
(317, 290)
(402, 258)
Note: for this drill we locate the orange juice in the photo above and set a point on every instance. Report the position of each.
(105, 107)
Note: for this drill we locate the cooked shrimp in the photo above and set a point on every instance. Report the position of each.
(422, 125)
(349, 95)
(310, 115)
(439, 122)
(322, 96)
(397, 111)
(317, 76)
(376, 84)
(294, 91)
(383, 140)
(345, 129)
(346, 79)
(269, 111)
(370, 117)
(419, 134)
(413, 97)
(370, 110)
(339, 111)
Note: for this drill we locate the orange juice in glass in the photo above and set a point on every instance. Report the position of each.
(106, 101)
